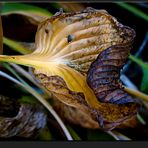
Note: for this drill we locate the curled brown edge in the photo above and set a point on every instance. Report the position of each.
(111, 113)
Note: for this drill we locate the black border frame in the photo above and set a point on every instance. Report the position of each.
(89, 144)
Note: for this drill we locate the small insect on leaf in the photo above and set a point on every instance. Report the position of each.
(70, 38)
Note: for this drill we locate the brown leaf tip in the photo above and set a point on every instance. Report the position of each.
(104, 79)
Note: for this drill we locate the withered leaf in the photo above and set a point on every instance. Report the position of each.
(17, 119)
(104, 75)
(75, 115)
(104, 78)
(66, 45)
(84, 118)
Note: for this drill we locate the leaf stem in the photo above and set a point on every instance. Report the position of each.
(137, 93)
(138, 61)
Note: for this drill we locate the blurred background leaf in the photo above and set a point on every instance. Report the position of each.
(144, 82)
(97, 135)
(144, 67)
(74, 7)
(134, 10)
(37, 14)
(17, 46)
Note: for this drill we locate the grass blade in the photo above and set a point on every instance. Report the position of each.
(127, 82)
(29, 76)
(42, 100)
(73, 133)
(23, 72)
(16, 46)
(117, 135)
(144, 67)
(134, 10)
(140, 50)
(141, 120)
(138, 61)
(36, 14)
(7, 66)
(20, 8)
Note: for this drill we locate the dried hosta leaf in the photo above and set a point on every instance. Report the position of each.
(66, 45)
(103, 75)
(69, 42)
(103, 78)
(81, 113)
(83, 118)
(131, 123)
(23, 120)
(74, 115)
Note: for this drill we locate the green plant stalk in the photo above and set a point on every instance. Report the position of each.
(73, 133)
(25, 73)
(8, 8)
(16, 46)
(138, 61)
(144, 67)
(117, 135)
(141, 120)
(42, 100)
(7, 66)
(134, 10)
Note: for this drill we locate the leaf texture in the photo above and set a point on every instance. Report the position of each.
(18, 119)
(104, 75)
(66, 45)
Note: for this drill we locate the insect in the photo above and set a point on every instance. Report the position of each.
(70, 38)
